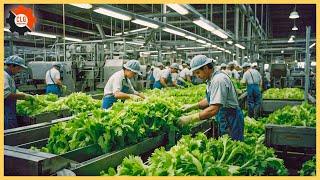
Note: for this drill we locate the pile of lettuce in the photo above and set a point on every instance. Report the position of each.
(285, 93)
(75, 103)
(200, 156)
(309, 168)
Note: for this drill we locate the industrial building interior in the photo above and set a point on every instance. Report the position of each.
(94, 41)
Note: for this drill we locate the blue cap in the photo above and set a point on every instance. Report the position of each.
(244, 65)
(16, 60)
(199, 61)
(134, 66)
(175, 66)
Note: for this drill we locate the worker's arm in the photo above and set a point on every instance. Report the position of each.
(122, 95)
(188, 78)
(209, 112)
(163, 82)
(203, 104)
(18, 96)
(58, 82)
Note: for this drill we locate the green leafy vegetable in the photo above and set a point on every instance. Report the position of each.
(285, 93)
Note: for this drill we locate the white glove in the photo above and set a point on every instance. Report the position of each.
(189, 107)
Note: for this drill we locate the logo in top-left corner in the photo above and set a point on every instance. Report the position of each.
(21, 20)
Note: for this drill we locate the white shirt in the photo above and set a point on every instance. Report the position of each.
(55, 75)
(9, 85)
(116, 82)
(184, 73)
(175, 77)
(156, 74)
(267, 76)
(233, 74)
(221, 91)
(165, 74)
(251, 76)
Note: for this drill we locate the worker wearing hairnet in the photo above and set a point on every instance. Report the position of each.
(119, 85)
(221, 100)
(253, 79)
(157, 73)
(166, 78)
(53, 80)
(231, 71)
(13, 65)
(223, 67)
(184, 75)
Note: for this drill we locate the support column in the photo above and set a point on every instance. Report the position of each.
(236, 29)
(307, 64)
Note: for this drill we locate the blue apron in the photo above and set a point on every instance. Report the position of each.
(53, 89)
(158, 84)
(231, 121)
(108, 100)
(254, 98)
(10, 111)
(181, 83)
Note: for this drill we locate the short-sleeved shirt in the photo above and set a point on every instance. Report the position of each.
(221, 91)
(9, 85)
(175, 77)
(116, 82)
(156, 74)
(184, 73)
(52, 74)
(234, 73)
(166, 73)
(251, 76)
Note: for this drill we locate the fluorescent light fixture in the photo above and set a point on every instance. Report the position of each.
(145, 23)
(7, 29)
(239, 46)
(311, 46)
(294, 15)
(130, 42)
(185, 48)
(72, 39)
(201, 41)
(42, 35)
(282, 52)
(191, 38)
(132, 31)
(230, 42)
(119, 34)
(214, 46)
(178, 8)
(113, 14)
(154, 55)
(227, 51)
(292, 36)
(204, 25)
(220, 34)
(83, 6)
(149, 52)
(174, 32)
(173, 52)
(295, 28)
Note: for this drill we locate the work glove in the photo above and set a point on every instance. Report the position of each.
(184, 120)
(190, 107)
(135, 97)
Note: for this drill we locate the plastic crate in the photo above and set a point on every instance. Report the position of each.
(273, 105)
(44, 117)
(292, 136)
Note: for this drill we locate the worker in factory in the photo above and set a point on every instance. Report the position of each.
(223, 67)
(221, 100)
(157, 73)
(166, 78)
(184, 75)
(13, 65)
(252, 78)
(231, 71)
(53, 80)
(119, 85)
(150, 76)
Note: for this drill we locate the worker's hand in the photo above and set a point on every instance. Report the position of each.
(135, 97)
(184, 120)
(189, 107)
(142, 96)
(29, 97)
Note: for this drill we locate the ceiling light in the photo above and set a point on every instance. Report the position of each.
(112, 14)
(42, 35)
(145, 23)
(191, 38)
(204, 24)
(282, 52)
(185, 48)
(174, 32)
(230, 42)
(72, 39)
(220, 34)
(311, 46)
(201, 41)
(295, 28)
(214, 46)
(239, 46)
(83, 6)
(178, 8)
(138, 30)
(294, 14)
(227, 51)
(290, 40)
